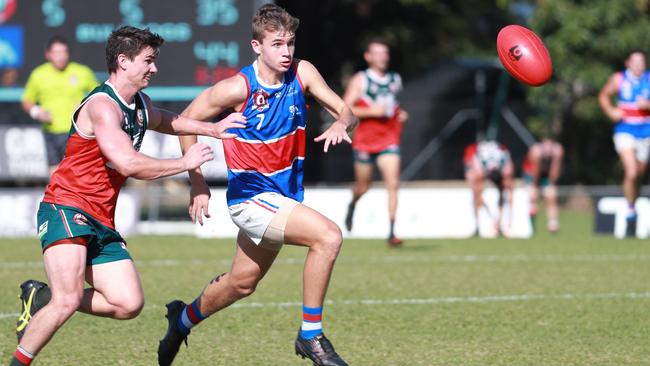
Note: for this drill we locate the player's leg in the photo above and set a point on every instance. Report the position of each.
(116, 290)
(389, 166)
(307, 227)
(250, 264)
(363, 166)
(65, 265)
(552, 209)
(625, 146)
(475, 179)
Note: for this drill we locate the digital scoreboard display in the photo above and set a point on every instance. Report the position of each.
(205, 40)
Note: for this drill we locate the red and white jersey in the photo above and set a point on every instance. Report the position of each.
(374, 135)
(85, 179)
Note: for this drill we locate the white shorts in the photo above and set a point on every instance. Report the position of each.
(263, 218)
(641, 146)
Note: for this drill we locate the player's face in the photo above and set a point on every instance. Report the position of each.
(636, 63)
(378, 56)
(276, 50)
(58, 55)
(141, 69)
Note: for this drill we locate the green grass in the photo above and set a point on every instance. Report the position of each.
(577, 299)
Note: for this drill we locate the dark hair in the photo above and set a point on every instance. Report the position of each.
(633, 51)
(377, 40)
(129, 41)
(272, 18)
(56, 39)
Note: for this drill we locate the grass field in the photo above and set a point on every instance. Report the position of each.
(570, 299)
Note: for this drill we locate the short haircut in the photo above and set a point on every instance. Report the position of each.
(54, 40)
(633, 51)
(376, 40)
(272, 18)
(129, 41)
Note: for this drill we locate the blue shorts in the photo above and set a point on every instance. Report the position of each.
(365, 157)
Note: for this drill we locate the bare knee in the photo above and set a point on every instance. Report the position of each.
(329, 241)
(361, 188)
(130, 310)
(66, 304)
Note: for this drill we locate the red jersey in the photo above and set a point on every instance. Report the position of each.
(85, 179)
(374, 135)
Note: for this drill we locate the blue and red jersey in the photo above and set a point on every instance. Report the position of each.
(268, 155)
(635, 121)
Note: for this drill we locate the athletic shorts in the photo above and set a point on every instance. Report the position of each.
(57, 222)
(365, 157)
(55, 147)
(263, 218)
(543, 181)
(641, 146)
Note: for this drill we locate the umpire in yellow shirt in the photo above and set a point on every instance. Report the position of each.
(53, 91)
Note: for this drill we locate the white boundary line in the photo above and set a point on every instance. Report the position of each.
(432, 300)
(550, 258)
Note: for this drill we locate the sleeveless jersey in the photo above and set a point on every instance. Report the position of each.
(85, 178)
(268, 155)
(374, 135)
(635, 121)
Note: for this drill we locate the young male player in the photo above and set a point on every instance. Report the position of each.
(631, 116)
(541, 169)
(76, 220)
(265, 170)
(372, 93)
(489, 160)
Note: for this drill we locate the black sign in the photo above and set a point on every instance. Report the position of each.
(205, 40)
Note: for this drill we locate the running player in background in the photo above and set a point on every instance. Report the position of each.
(76, 220)
(372, 93)
(489, 160)
(265, 171)
(631, 116)
(542, 168)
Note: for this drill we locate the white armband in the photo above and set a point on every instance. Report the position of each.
(34, 111)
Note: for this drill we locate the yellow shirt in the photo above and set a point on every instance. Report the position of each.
(59, 92)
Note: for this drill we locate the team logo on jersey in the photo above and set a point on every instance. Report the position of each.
(73, 80)
(140, 117)
(260, 100)
(80, 219)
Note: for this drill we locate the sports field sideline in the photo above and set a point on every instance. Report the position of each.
(571, 299)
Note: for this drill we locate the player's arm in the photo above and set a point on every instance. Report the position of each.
(106, 119)
(605, 98)
(353, 93)
(164, 121)
(345, 120)
(222, 96)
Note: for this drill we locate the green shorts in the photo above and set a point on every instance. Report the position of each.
(56, 222)
(365, 157)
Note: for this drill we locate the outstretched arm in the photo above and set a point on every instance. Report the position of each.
(345, 120)
(105, 117)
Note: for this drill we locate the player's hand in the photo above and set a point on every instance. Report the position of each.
(234, 120)
(616, 114)
(334, 135)
(196, 155)
(199, 201)
(402, 116)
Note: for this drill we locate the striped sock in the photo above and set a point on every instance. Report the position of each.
(22, 357)
(190, 316)
(311, 322)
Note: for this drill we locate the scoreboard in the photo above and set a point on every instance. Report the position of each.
(205, 40)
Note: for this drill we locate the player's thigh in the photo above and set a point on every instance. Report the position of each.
(65, 265)
(118, 281)
(363, 172)
(251, 261)
(389, 166)
(307, 227)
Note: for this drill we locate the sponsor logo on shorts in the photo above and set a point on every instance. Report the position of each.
(123, 245)
(80, 219)
(42, 230)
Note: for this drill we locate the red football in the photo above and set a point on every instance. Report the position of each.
(524, 55)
